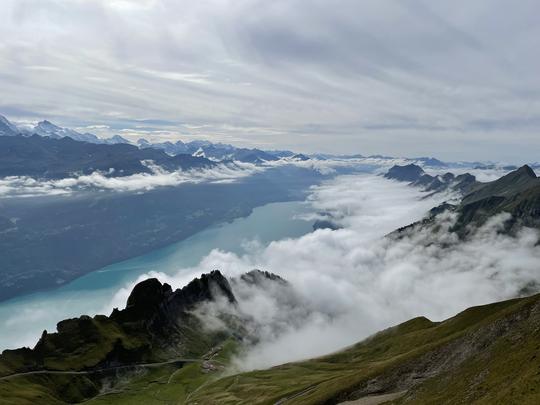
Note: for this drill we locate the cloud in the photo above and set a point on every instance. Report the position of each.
(349, 283)
(403, 78)
(21, 186)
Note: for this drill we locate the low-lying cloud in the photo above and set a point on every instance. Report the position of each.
(349, 283)
(23, 186)
(26, 186)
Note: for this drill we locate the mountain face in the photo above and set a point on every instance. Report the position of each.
(48, 158)
(517, 193)
(410, 173)
(507, 186)
(416, 176)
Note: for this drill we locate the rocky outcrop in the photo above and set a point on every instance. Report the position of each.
(157, 323)
(415, 175)
(410, 173)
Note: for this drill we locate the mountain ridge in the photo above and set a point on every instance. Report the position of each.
(43, 157)
(516, 193)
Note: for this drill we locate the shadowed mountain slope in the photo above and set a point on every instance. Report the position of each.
(517, 193)
(43, 157)
(416, 176)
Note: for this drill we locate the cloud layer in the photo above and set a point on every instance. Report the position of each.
(454, 79)
(29, 187)
(23, 186)
(349, 283)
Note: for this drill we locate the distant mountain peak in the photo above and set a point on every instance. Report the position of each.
(7, 128)
(410, 172)
(5, 120)
(45, 124)
(527, 171)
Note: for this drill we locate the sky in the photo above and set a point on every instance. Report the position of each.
(453, 79)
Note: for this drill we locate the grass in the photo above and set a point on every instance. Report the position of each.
(46, 389)
(167, 385)
(497, 376)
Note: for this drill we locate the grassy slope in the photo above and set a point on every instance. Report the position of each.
(486, 354)
(166, 385)
(87, 349)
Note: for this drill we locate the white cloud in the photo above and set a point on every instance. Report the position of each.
(353, 282)
(29, 187)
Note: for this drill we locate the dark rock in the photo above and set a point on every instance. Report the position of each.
(257, 277)
(409, 173)
(325, 224)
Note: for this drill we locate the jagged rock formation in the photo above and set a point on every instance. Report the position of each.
(416, 176)
(157, 324)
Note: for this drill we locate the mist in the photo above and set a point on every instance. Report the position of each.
(347, 284)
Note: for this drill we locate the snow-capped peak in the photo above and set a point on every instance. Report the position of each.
(199, 153)
(8, 126)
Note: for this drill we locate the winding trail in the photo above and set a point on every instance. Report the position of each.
(99, 370)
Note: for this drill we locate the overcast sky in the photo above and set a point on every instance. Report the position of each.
(452, 79)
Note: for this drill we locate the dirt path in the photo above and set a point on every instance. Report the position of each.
(100, 370)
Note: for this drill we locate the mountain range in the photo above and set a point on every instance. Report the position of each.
(198, 148)
(212, 151)
(516, 194)
(52, 158)
(416, 176)
(48, 129)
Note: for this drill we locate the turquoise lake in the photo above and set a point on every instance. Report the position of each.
(22, 319)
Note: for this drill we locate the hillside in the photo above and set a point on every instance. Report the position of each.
(487, 354)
